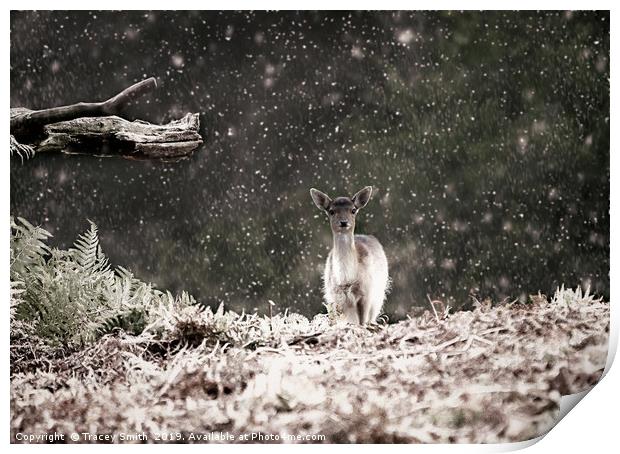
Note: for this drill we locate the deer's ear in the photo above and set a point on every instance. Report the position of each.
(320, 199)
(360, 200)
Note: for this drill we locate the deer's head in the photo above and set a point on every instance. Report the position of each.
(342, 210)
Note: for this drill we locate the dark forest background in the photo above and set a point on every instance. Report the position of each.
(486, 136)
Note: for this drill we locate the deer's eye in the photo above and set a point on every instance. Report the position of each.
(331, 212)
(353, 211)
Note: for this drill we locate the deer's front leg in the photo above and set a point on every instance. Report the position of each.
(361, 311)
(356, 301)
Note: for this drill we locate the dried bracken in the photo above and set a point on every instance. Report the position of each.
(494, 374)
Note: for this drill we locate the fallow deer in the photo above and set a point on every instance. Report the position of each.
(356, 272)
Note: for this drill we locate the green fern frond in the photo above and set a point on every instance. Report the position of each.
(125, 274)
(73, 297)
(17, 289)
(28, 248)
(132, 322)
(88, 253)
(20, 150)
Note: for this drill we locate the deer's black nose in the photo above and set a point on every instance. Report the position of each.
(344, 223)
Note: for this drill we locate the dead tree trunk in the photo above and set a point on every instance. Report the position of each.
(97, 128)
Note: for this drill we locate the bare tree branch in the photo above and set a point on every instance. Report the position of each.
(24, 121)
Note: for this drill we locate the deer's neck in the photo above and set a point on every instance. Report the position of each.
(344, 259)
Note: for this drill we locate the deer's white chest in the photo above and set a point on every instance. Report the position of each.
(342, 265)
(343, 271)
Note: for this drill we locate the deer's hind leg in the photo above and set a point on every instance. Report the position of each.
(376, 298)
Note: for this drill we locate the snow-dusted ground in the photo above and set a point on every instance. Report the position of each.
(494, 374)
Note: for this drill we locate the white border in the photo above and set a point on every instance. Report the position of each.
(591, 426)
